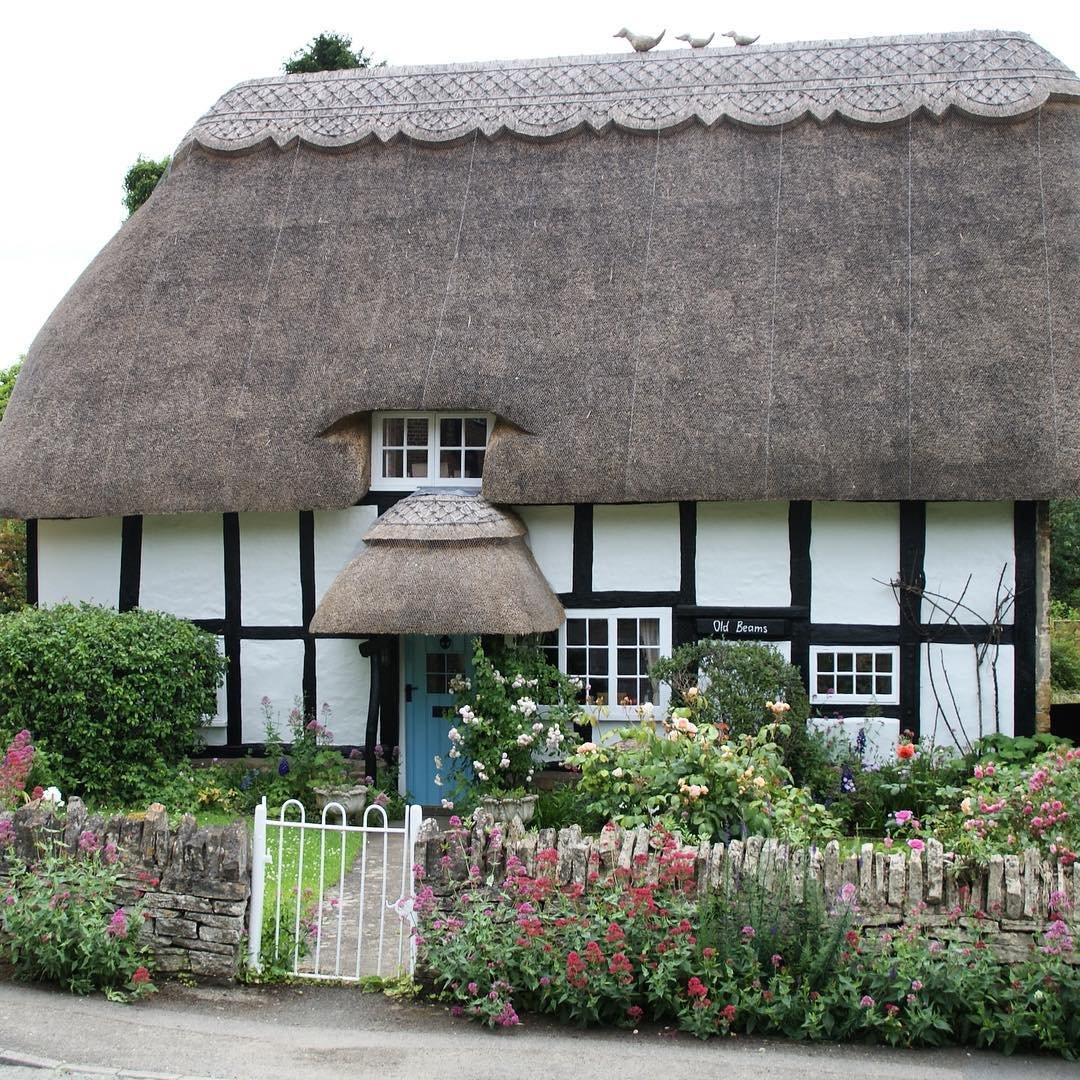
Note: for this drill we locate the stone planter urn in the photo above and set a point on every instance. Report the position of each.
(504, 809)
(352, 799)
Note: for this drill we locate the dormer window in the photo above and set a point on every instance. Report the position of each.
(412, 450)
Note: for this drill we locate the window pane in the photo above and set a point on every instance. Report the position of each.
(416, 428)
(450, 431)
(628, 631)
(824, 684)
(646, 659)
(864, 684)
(884, 685)
(575, 662)
(628, 661)
(450, 463)
(598, 661)
(476, 431)
(455, 662)
(845, 684)
(393, 432)
(883, 661)
(825, 661)
(418, 464)
(864, 661)
(843, 661)
(393, 463)
(598, 632)
(628, 690)
(474, 464)
(648, 692)
(575, 631)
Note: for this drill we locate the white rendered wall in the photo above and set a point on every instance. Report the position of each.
(636, 547)
(79, 560)
(853, 547)
(338, 541)
(551, 537)
(958, 663)
(743, 554)
(969, 538)
(273, 669)
(270, 570)
(183, 568)
(343, 677)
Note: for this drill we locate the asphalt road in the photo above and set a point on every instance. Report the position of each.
(324, 1032)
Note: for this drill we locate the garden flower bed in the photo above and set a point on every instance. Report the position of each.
(749, 937)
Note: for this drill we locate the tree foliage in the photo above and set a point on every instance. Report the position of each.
(12, 533)
(1065, 551)
(327, 52)
(117, 698)
(141, 180)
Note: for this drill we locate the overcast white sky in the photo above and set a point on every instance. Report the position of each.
(89, 85)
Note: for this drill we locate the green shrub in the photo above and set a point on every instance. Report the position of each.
(1064, 657)
(117, 698)
(694, 779)
(740, 676)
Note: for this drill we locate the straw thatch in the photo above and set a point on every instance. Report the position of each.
(441, 563)
(813, 309)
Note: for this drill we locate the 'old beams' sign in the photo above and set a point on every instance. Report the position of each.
(744, 627)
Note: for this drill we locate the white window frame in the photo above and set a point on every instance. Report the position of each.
(853, 698)
(408, 483)
(613, 710)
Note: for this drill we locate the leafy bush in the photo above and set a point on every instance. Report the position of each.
(1064, 658)
(922, 778)
(117, 698)
(628, 952)
(695, 779)
(1006, 807)
(739, 677)
(63, 923)
(506, 717)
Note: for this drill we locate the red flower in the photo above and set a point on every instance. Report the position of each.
(593, 953)
(695, 987)
(614, 933)
(728, 1013)
(140, 976)
(905, 751)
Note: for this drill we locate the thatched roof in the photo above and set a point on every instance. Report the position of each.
(441, 562)
(656, 309)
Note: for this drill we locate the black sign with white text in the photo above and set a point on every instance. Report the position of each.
(745, 627)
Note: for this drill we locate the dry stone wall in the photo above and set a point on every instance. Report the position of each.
(196, 881)
(1008, 903)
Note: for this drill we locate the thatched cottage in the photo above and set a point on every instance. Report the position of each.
(771, 343)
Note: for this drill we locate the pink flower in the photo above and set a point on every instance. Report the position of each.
(141, 976)
(866, 1001)
(117, 924)
(847, 892)
(777, 960)
(748, 932)
(916, 845)
(903, 816)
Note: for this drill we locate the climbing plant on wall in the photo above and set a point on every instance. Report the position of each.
(12, 533)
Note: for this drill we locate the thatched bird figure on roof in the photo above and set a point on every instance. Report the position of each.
(740, 39)
(696, 42)
(641, 42)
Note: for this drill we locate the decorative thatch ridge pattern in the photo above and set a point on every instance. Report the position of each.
(989, 74)
(447, 516)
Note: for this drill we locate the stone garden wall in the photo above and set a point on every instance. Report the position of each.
(196, 880)
(1011, 896)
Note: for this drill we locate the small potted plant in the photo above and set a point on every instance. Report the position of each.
(505, 719)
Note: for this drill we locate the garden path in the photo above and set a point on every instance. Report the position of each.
(348, 945)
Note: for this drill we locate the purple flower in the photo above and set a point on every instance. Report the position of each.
(283, 767)
(88, 842)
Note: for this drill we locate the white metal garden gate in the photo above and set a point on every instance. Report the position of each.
(326, 931)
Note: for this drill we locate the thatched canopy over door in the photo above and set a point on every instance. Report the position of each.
(441, 562)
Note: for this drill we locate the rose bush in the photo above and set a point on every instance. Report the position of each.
(507, 717)
(693, 778)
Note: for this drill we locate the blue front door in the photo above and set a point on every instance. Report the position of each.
(430, 665)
